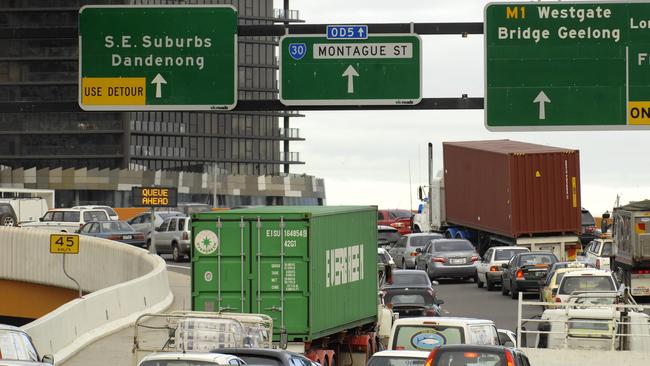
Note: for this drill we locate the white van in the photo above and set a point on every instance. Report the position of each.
(427, 333)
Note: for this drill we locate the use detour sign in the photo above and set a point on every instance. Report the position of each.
(154, 196)
(157, 57)
(564, 65)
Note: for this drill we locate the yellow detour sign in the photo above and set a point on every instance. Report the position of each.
(64, 244)
(113, 91)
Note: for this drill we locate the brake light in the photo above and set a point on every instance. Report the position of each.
(431, 312)
(641, 271)
(432, 355)
(641, 226)
(598, 263)
(114, 237)
(399, 348)
(438, 260)
(474, 258)
(520, 274)
(509, 359)
(494, 269)
(470, 355)
(414, 254)
(558, 300)
(397, 224)
(139, 236)
(185, 236)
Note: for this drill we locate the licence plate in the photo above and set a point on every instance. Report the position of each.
(457, 261)
(127, 237)
(540, 274)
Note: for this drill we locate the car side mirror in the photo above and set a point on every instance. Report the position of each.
(504, 266)
(48, 359)
(435, 283)
(438, 302)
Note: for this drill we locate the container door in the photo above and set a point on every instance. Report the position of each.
(283, 295)
(221, 266)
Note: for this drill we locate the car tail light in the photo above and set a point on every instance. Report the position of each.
(494, 269)
(510, 361)
(558, 300)
(185, 236)
(139, 236)
(414, 254)
(397, 224)
(438, 260)
(520, 274)
(432, 355)
(114, 237)
(431, 312)
(401, 348)
(474, 258)
(598, 263)
(641, 271)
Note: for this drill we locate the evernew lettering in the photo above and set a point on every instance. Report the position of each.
(344, 265)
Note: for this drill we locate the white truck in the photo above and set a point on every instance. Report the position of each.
(631, 233)
(28, 205)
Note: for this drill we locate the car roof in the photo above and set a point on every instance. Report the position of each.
(385, 227)
(510, 248)
(412, 354)
(10, 327)
(472, 347)
(258, 351)
(195, 356)
(77, 209)
(424, 234)
(402, 271)
(535, 252)
(443, 320)
(570, 269)
(590, 271)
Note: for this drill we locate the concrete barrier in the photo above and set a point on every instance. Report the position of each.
(122, 282)
(575, 357)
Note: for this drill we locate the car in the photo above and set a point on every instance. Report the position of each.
(398, 358)
(468, 354)
(173, 237)
(553, 279)
(557, 265)
(387, 235)
(384, 260)
(411, 293)
(526, 272)
(7, 215)
(488, 270)
(586, 280)
(427, 333)
(112, 215)
(404, 252)
(269, 357)
(67, 219)
(189, 358)
(589, 230)
(402, 220)
(114, 230)
(142, 222)
(599, 253)
(17, 349)
(450, 258)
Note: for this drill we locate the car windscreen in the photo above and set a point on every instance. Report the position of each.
(453, 246)
(532, 259)
(586, 283)
(389, 236)
(506, 254)
(396, 361)
(178, 363)
(399, 214)
(589, 328)
(408, 299)
(260, 360)
(382, 258)
(405, 279)
(426, 337)
(165, 215)
(16, 346)
(115, 227)
(108, 210)
(587, 219)
(93, 216)
(607, 250)
(472, 358)
(422, 240)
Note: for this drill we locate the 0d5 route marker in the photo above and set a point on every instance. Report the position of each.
(149, 58)
(564, 65)
(383, 69)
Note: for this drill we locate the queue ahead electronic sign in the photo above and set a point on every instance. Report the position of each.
(154, 196)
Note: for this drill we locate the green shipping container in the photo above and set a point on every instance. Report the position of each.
(329, 255)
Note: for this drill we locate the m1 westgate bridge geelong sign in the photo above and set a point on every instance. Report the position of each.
(353, 69)
(567, 65)
(150, 58)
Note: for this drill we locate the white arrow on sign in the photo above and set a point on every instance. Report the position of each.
(158, 80)
(541, 99)
(350, 72)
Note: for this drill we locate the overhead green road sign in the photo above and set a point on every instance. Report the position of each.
(566, 65)
(150, 58)
(379, 70)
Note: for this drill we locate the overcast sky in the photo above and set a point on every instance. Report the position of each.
(364, 157)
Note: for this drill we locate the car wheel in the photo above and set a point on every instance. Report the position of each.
(489, 284)
(478, 281)
(176, 255)
(514, 294)
(8, 220)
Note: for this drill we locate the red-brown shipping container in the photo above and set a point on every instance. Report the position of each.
(512, 188)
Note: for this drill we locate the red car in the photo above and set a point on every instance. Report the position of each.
(402, 220)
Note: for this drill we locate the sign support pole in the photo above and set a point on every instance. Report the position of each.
(70, 277)
(152, 238)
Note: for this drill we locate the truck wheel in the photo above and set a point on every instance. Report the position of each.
(176, 255)
(7, 220)
(489, 284)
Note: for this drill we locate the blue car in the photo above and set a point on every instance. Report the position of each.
(114, 230)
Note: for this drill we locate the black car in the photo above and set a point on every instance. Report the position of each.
(469, 354)
(589, 230)
(526, 272)
(411, 294)
(269, 357)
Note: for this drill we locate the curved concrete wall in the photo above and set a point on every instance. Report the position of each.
(124, 282)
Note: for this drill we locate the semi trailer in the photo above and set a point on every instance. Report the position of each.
(631, 234)
(504, 192)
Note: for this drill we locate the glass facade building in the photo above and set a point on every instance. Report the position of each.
(38, 65)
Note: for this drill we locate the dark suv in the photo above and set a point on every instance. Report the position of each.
(7, 215)
(589, 230)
